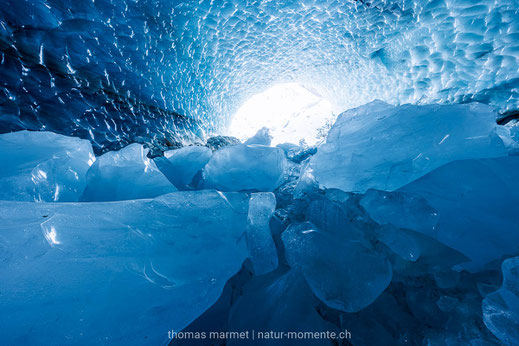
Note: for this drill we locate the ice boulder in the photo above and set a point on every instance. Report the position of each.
(43, 166)
(384, 147)
(343, 273)
(260, 243)
(245, 168)
(183, 164)
(476, 201)
(262, 137)
(125, 174)
(501, 308)
(124, 272)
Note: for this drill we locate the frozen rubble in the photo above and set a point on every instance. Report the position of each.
(43, 166)
(414, 251)
(342, 272)
(182, 165)
(124, 175)
(245, 168)
(384, 147)
(121, 272)
(501, 308)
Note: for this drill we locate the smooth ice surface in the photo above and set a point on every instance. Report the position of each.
(401, 210)
(43, 166)
(123, 175)
(501, 308)
(119, 273)
(245, 167)
(259, 238)
(185, 163)
(476, 202)
(384, 147)
(342, 272)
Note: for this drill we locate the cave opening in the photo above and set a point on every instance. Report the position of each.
(290, 111)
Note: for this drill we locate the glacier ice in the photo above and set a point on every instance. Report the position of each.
(501, 308)
(183, 164)
(327, 259)
(383, 147)
(475, 200)
(121, 272)
(123, 175)
(43, 166)
(169, 74)
(123, 80)
(262, 137)
(260, 243)
(400, 209)
(342, 272)
(245, 168)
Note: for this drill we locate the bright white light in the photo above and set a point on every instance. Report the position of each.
(290, 111)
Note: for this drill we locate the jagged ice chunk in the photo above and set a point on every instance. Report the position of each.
(384, 147)
(259, 238)
(125, 174)
(343, 273)
(245, 168)
(143, 265)
(43, 166)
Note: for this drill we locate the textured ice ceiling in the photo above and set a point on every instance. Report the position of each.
(117, 71)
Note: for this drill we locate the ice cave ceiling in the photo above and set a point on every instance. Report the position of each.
(118, 71)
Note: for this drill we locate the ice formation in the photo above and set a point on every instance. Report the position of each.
(143, 266)
(245, 167)
(260, 243)
(118, 72)
(182, 165)
(262, 137)
(361, 152)
(475, 200)
(43, 166)
(342, 272)
(501, 308)
(395, 223)
(125, 174)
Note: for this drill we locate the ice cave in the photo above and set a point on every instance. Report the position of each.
(259, 172)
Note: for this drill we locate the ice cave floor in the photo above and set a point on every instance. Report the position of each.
(401, 228)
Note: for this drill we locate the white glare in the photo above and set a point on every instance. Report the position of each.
(290, 111)
(51, 236)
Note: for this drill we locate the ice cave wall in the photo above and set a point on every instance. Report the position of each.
(118, 71)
